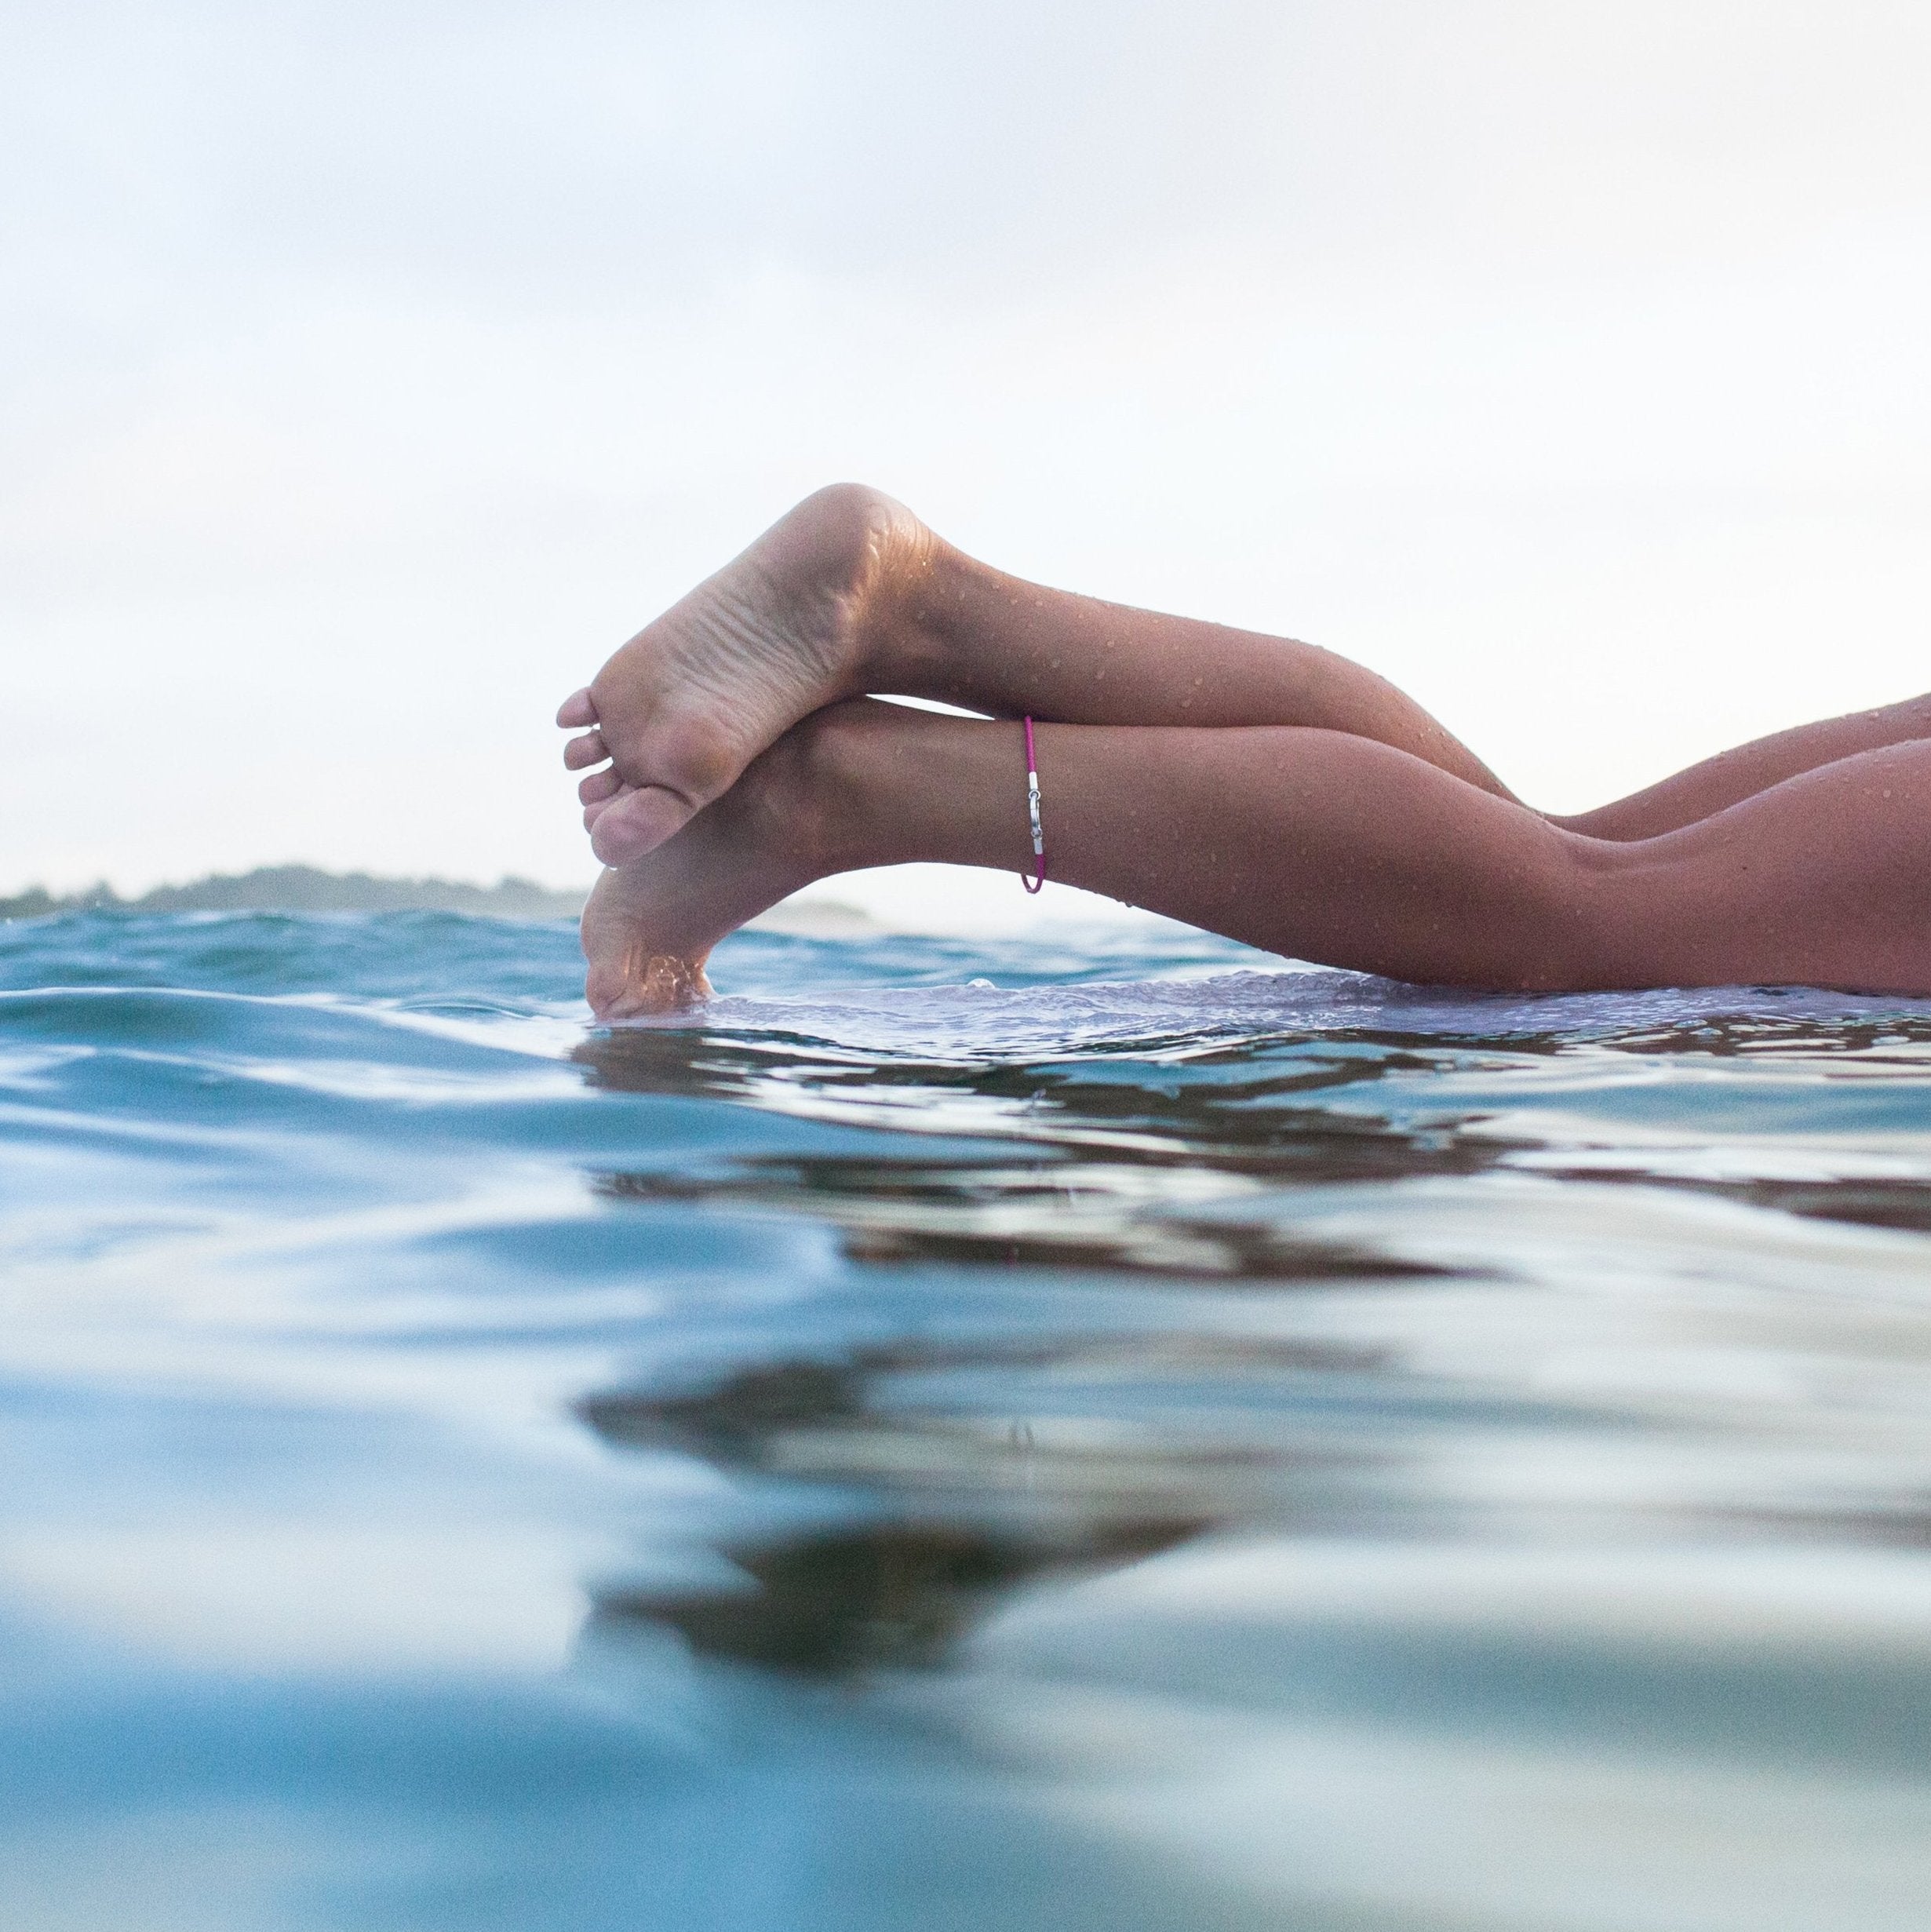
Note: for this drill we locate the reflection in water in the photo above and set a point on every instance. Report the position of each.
(950, 1475)
(1127, 1175)
(1091, 1215)
(1281, 1451)
(1125, 1166)
(964, 1500)
(1176, 1120)
(889, 1594)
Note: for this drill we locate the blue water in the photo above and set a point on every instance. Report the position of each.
(1097, 1431)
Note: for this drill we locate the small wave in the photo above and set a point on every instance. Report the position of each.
(1177, 1016)
(1320, 1384)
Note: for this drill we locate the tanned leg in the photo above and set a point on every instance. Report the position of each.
(1315, 844)
(1732, 776)
(850, 593)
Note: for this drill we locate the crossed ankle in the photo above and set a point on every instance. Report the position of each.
(813, 798)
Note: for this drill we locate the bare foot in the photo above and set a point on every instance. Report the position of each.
(687, 704)
(650, 925)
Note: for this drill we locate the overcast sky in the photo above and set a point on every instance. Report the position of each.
(366, 373)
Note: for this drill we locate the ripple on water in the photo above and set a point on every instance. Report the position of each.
(1246, 1443)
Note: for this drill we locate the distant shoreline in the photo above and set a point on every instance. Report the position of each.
(309, 889)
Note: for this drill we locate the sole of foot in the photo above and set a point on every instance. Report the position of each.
(795, 623)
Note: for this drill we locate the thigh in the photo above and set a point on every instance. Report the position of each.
(1732, 776)
(1824, 879)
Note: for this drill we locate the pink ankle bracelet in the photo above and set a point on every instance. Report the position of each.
(1032, 812)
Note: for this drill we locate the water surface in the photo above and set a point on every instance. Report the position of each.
(1093, 1431)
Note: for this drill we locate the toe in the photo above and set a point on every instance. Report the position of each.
(578, 709)
(661, 985)
(599, 786)
(590, 749)
(595, 808)
(638, 822)
(607, 986)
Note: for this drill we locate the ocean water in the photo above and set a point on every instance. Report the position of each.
(1100, 1430)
